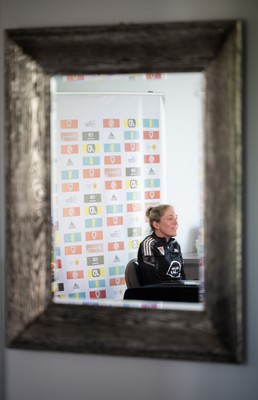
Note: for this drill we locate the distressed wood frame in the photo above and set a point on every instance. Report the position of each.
(32, 56)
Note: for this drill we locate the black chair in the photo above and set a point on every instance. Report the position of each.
(131, 274)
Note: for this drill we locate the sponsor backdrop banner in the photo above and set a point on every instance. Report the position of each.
(107, 169)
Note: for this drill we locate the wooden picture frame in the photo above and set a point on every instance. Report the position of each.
(32, 56)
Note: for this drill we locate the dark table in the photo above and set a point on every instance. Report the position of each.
(183, 291)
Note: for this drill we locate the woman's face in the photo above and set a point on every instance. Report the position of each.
(167, 227)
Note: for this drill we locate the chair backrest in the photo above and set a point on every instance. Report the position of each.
(131, 276)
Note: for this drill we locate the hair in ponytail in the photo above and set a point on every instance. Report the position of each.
(156, 213)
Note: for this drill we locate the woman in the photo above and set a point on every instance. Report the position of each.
(159, 256)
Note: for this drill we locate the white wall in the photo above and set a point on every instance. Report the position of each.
(41, 375)
(184, 155)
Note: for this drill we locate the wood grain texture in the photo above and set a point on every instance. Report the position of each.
(174, 47)
(28, 231)
(33, 321)
(125, 332)
(223, 149)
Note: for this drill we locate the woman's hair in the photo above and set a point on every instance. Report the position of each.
(156, 213)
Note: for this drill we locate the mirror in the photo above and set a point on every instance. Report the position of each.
(98, 207)
(32, 57)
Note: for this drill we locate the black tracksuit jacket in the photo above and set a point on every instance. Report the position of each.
(160, 261)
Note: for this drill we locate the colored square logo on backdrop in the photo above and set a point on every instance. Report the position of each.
(131, 123)
(113, 221)
(93, 223)
(93, 235)
(98, 294)
(71, 212)
(117, 281)
(72, 174)
(131, 135)
(95, 248)
(111, 123)
(112, 160)
(75, 78)
(81, 295)
(150, 123)
(90, 148)
(97, 283)
(112, 148)
(113, 185)
(72, 237)
(151, 135)
(116, 246)
(155, 194)
(151, 159)
(114, 209)
(118, 270)
(91, 173)
(71, 250)
(96, 273)
(75, 274)
(131, 147)
(90, 136)
(70, 187)
(92, 210)
(149, 183)
(134, 207)
(69, 149)
(94, 160)
(69, 123)
(69, 136)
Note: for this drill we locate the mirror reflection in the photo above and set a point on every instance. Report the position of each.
(121, 144)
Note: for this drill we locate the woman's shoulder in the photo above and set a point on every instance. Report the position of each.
(146, 245)
(148, 238)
